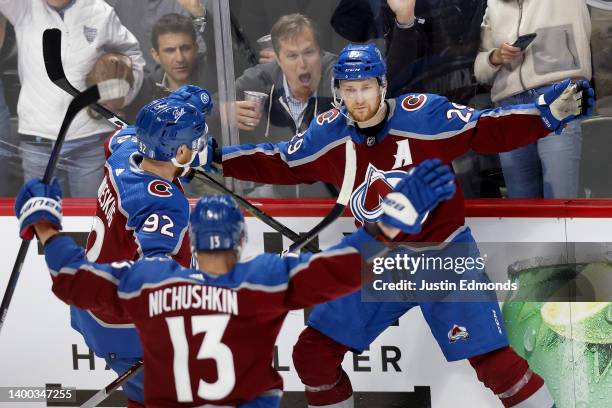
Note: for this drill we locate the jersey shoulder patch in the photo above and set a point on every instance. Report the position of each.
(327, 117)
(160, 188)
(412, 102)
(423, 114)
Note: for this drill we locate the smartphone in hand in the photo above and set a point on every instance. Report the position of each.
(524, 40)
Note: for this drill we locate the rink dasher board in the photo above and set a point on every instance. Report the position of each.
(37, 342)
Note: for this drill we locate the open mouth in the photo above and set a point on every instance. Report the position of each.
(304, 78)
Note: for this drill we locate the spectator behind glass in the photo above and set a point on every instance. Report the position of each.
(297, 84)
(176, 51)
(548, 168)
(139, 16)
(298, 88)
(5, 126)
(94, 29)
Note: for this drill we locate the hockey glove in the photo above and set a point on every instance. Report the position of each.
(565, 102)
(38, 202)
(411, 200)
(196, 96)
(209, 155)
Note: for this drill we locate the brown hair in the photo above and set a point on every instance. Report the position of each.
(289, 27)
(172, 23)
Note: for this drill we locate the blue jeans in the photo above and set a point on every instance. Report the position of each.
(545, 169)
(80, 166)
(5, 144)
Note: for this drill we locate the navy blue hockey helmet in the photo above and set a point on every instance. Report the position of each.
(216, 224)
(357, 61)
(164, 125)
(193, 94)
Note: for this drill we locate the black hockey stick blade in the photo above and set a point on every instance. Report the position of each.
(257, 213)
(91, 95)
(350, 171)
(101, 395)
(52, 53)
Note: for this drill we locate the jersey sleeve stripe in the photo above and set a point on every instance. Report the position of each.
(319, 153)
(153, 285)
(254, 150)
(291, 163)
(438, 136)
(512, 110)
(245, 285)
(88, 268)
(111, 325)
(179, 241)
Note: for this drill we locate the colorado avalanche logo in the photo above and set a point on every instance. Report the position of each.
(457, 333)
(414, 102)
(328, 116)
(160, 188)
(367, 198)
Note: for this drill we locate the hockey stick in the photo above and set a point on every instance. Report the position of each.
(53, 63)
(350, 171)
(256, 212)
(111, 89)
(52, 52)
(101, 395)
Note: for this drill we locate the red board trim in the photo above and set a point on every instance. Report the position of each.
(579, 208)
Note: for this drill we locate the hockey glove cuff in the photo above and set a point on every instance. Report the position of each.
(206, 157)
(38, 202)
(423, 188)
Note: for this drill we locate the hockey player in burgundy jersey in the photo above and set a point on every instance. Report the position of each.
(391, 136)
(141, 211)
(208, 334)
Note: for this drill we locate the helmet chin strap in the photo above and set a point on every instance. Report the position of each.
(186, 166)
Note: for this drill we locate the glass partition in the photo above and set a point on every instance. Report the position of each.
(259, 100)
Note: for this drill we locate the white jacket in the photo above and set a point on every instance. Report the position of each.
(90, 28)
(561, 50)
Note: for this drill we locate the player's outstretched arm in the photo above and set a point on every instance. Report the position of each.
(337, 271)
(303, 159)
(38, 208)
(504, 128)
